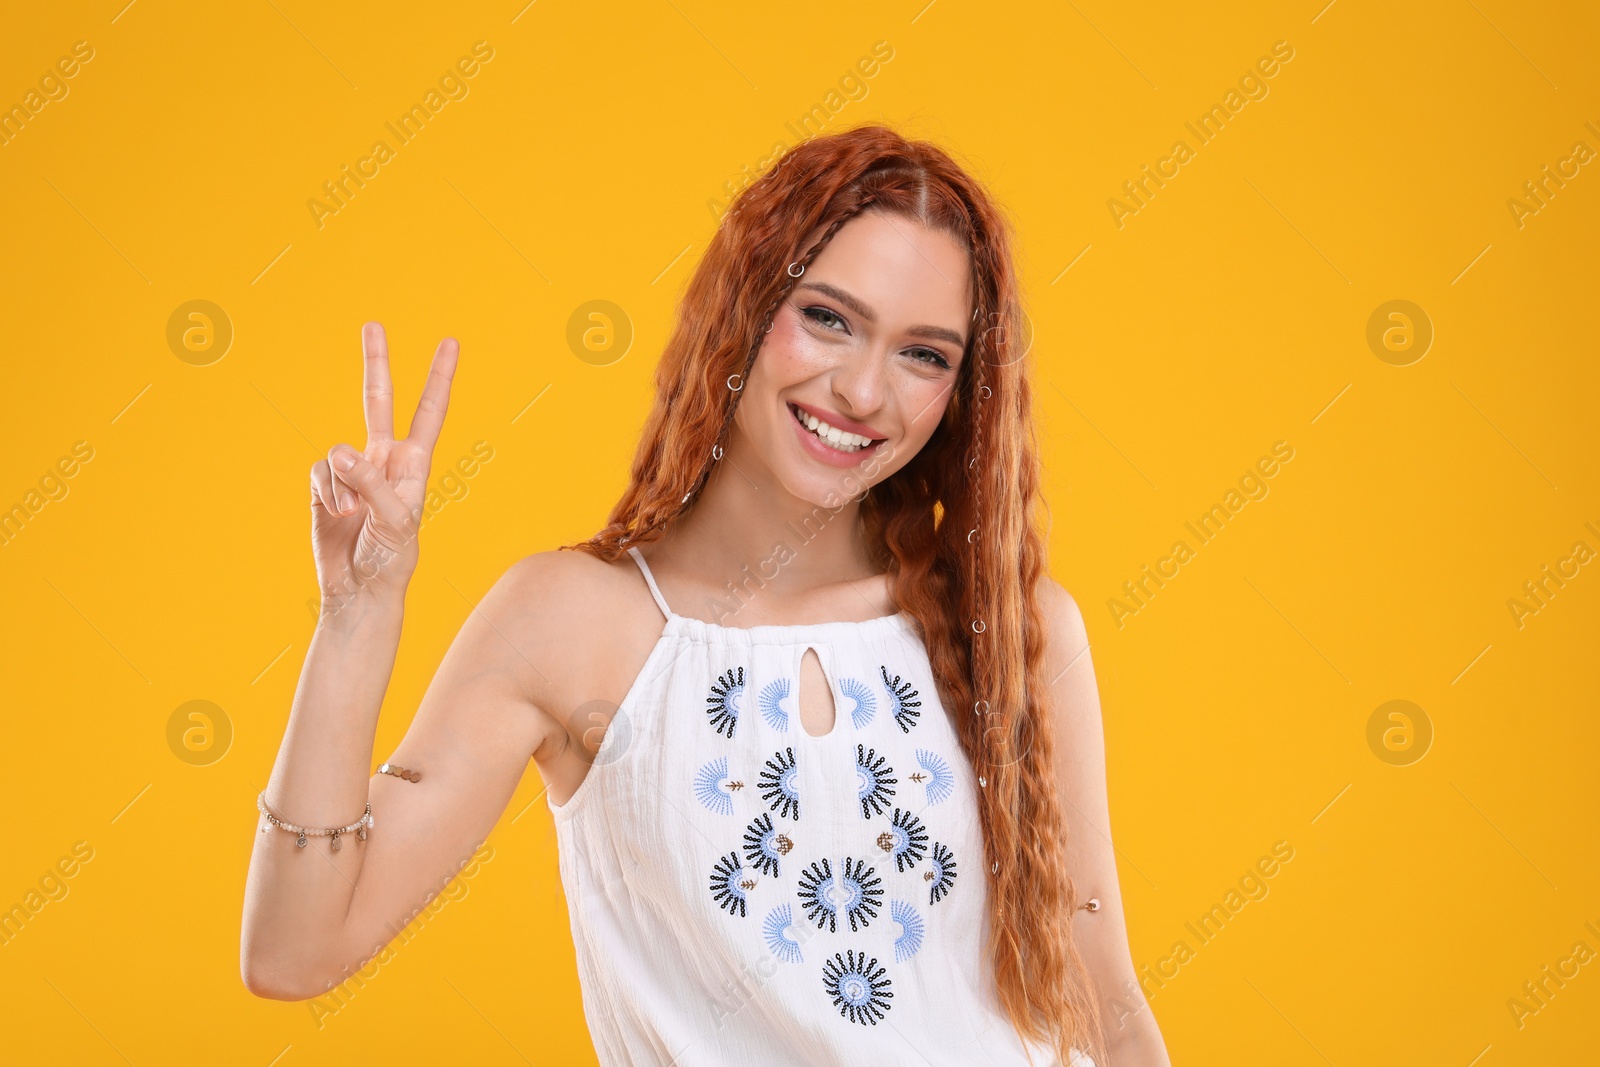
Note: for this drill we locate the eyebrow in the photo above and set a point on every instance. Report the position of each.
(936, 333)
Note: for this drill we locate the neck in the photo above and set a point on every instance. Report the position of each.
(746, 535)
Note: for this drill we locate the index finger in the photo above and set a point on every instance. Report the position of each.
(377, 391)
(428, 420)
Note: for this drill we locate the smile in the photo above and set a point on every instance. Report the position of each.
(830, 437)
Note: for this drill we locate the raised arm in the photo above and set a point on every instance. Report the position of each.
(313, 915)
(1132, 1037)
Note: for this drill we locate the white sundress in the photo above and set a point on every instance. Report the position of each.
(745, 894)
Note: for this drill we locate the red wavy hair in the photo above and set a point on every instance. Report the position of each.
(954, 529)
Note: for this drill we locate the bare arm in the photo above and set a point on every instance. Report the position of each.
(312, 915)
(1132, 1037)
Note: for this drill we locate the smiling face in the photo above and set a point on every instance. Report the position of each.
(866, 350)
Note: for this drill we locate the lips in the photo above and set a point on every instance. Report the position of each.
(832, 447)
(831, 437)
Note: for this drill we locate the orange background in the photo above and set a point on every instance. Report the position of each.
(1228, 313)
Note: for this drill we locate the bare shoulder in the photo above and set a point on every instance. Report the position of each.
(1065, 631)
(561, 586)
(1068, 672)
(573, 620)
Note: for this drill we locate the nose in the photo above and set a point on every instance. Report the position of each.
(859, 382)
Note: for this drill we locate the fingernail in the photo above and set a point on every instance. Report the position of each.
(344, 460)
(343, 500)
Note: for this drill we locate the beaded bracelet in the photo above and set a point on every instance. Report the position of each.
(359, 826)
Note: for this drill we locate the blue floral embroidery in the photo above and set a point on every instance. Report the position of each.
(779, 787)
(911, 929)
(941, 873)
(856, 891)
(776, 928)
(866, 705)
(904, 699)
(905, 840)
(936, 772)
(729, 884)
(723, 703)
(710, 791)
(763, 845)
(874, 781)
(858, 985)
(771, 709)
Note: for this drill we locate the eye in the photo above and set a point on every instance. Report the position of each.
(822, 315)
(826, 317)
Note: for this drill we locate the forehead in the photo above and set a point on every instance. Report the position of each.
(907, 272)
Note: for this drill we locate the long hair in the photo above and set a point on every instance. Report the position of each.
(954, 529)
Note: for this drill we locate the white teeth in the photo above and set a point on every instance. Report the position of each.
(835, 438)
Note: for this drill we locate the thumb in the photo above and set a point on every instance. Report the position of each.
(352, 468)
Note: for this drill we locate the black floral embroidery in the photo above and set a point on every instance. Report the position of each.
(856, 892)
(858, 985)
(874, 781)
(729, 884)
(723, 703)
(904, 699)
(779, 787)
(763, 845)
(941, 873)
(905, 840)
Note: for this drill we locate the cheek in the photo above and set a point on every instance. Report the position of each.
(925, 403)
(798, 353)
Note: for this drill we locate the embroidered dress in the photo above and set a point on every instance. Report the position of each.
(742, 892)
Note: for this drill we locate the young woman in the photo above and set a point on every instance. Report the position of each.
(820, 737)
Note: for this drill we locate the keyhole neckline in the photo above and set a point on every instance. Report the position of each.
(833, 695)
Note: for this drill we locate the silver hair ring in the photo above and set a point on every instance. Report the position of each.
(738, 387)
(769, 327)
(796, 273)
(686, 497)
(982, 780)
(716, 451)
(983, 711)
(978, 627)
(972, 535)
(985, 392)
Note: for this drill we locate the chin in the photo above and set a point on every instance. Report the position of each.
(828, 489)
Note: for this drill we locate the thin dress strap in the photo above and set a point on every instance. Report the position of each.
(650, 580)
